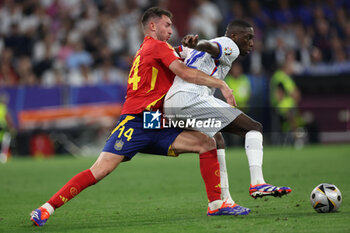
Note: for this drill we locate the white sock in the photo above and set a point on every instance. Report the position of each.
(215, 204)
(225, 192)
(254, 151)
(49, 208)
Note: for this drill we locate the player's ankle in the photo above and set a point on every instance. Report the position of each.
(49, 208)
(215, 204)
(256, 182)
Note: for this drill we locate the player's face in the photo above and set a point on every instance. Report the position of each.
(163, 28)
(244, 41)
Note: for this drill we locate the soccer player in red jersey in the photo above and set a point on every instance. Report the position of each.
(154, 68)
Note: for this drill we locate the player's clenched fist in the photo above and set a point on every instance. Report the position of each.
(190, 41)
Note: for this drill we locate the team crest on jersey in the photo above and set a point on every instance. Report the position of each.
(118, 144)
(227, 51)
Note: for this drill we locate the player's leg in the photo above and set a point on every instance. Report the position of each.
(104, 165)
(225, 192)
(119, 146)
(197, 142)
(193, 141)
(244, 126)
(202, 108)
(252, 131)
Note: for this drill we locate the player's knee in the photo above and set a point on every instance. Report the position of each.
(207, 144)
(257, 126)
(105, 164)
(220, 142)
(101, 172)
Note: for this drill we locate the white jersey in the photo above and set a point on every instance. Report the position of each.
(217, 67)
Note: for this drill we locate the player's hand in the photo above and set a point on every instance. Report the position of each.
(190, 41)
(228, 94)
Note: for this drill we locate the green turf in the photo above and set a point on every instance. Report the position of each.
(158, 194)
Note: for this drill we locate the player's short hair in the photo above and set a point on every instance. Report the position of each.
(237, 24)
(154, 12)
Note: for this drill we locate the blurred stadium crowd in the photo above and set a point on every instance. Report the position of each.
(78, 42)
(80, 52)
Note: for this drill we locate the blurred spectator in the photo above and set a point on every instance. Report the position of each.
(106, 73)
(205, 19)
(337, 50)
(96, 45)
(291, 123)
(64, 51)
(259, 16)
(303, 49)
(45, 53)
(10, 14)
(322, 39)
(46, 49)
(256, 59)
(64, 34)
(20, 43)
(80, 76)
(88, 20)
(283, 15)
(7, 128)
(284, 99)
(25, 72)
(347, 39)
(240, 84)
(316, 56)
(283, 76)
(182, 10)
(112, 28)
(53, 77)
(296, 66)
(78, 57)
(130, 19)
(235, 12)
(8, 75)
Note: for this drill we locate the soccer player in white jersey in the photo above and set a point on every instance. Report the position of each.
(184, 99)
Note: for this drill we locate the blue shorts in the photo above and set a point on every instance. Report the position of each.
(129, 137)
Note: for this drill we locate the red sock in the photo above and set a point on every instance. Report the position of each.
(74, 186)
(210, 170)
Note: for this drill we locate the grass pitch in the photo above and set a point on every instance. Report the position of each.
(159, 194)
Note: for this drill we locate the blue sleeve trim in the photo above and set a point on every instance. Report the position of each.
(220, 48)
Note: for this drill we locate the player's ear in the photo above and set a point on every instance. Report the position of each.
(152, 26)
(234, 36)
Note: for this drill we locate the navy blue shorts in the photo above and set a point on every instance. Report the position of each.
(129, 137)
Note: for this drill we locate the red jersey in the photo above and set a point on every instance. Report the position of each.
(150, 77)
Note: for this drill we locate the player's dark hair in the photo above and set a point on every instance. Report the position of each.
(154, 12)
(236, 25)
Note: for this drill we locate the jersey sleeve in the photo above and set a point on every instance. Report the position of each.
(166, 53)
(229, 51)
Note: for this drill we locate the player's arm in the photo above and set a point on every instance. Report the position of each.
(207, 46)
(200, 78)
